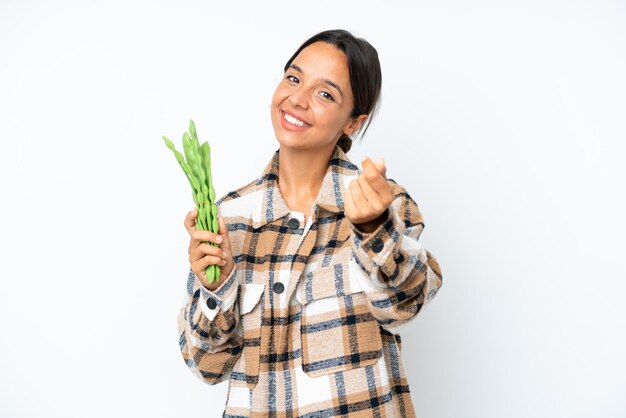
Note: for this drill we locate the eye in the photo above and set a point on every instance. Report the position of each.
(327, 95)
(292, 78)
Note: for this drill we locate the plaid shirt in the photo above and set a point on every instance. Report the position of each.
(302, 326)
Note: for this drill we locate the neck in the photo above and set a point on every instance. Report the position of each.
(300, 175)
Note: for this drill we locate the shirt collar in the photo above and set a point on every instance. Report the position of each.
(330, 197)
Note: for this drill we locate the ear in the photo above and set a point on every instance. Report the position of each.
(354, 124)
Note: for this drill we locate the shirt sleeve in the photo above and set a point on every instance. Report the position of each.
(210, 341)
(399, 276)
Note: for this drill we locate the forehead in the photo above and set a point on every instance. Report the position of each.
(323, 60)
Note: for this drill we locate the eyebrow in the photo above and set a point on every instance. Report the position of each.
(325, 80)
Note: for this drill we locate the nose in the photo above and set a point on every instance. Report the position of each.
(298, 98)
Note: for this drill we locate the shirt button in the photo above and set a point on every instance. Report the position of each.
(211, 303)
(294, 223)
(377, 245)
(278, 287)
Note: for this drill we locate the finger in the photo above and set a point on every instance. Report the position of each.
(223, 231)
(378, 183)
(206, 236)
(380, 166)
(386, 191)
(200, 265)
(208, 249)
(357, 195)
(374, 168)
(202, 250)
(376, 179)
(374, 199)
(199, 237)
(190, 220)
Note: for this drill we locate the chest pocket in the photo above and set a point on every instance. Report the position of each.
(338, 332)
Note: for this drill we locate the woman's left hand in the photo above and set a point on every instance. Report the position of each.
(368, 198)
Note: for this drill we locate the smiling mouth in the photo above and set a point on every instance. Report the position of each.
(294, 121)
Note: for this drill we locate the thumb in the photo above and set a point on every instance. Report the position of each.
(380, 166)
(223, 231)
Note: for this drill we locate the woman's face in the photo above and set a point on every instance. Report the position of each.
(312, 104)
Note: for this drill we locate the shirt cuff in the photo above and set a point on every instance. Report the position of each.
(374, 250)
(222, 298)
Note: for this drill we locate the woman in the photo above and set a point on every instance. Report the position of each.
(319, 260)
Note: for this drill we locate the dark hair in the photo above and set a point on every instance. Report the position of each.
(363, 69)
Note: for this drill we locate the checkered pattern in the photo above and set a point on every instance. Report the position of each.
(324, 346)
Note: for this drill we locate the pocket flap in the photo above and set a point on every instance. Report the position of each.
(250, 296)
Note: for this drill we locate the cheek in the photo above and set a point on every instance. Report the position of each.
(329, 117)
(279, 96)
(277, 99)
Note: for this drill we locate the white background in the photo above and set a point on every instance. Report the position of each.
(503, 119)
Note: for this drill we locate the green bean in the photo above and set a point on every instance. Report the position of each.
(192, 130)
(186, 169)
(191, 153)
(211, 209)
(211, 217)
(206, 152)
(197, 169)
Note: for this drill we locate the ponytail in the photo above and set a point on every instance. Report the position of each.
(345, 143)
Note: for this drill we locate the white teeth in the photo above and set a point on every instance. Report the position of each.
(293, 120)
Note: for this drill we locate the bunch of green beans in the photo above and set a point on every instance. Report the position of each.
(197, 168)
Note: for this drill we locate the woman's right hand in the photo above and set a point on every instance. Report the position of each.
(202, 255)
